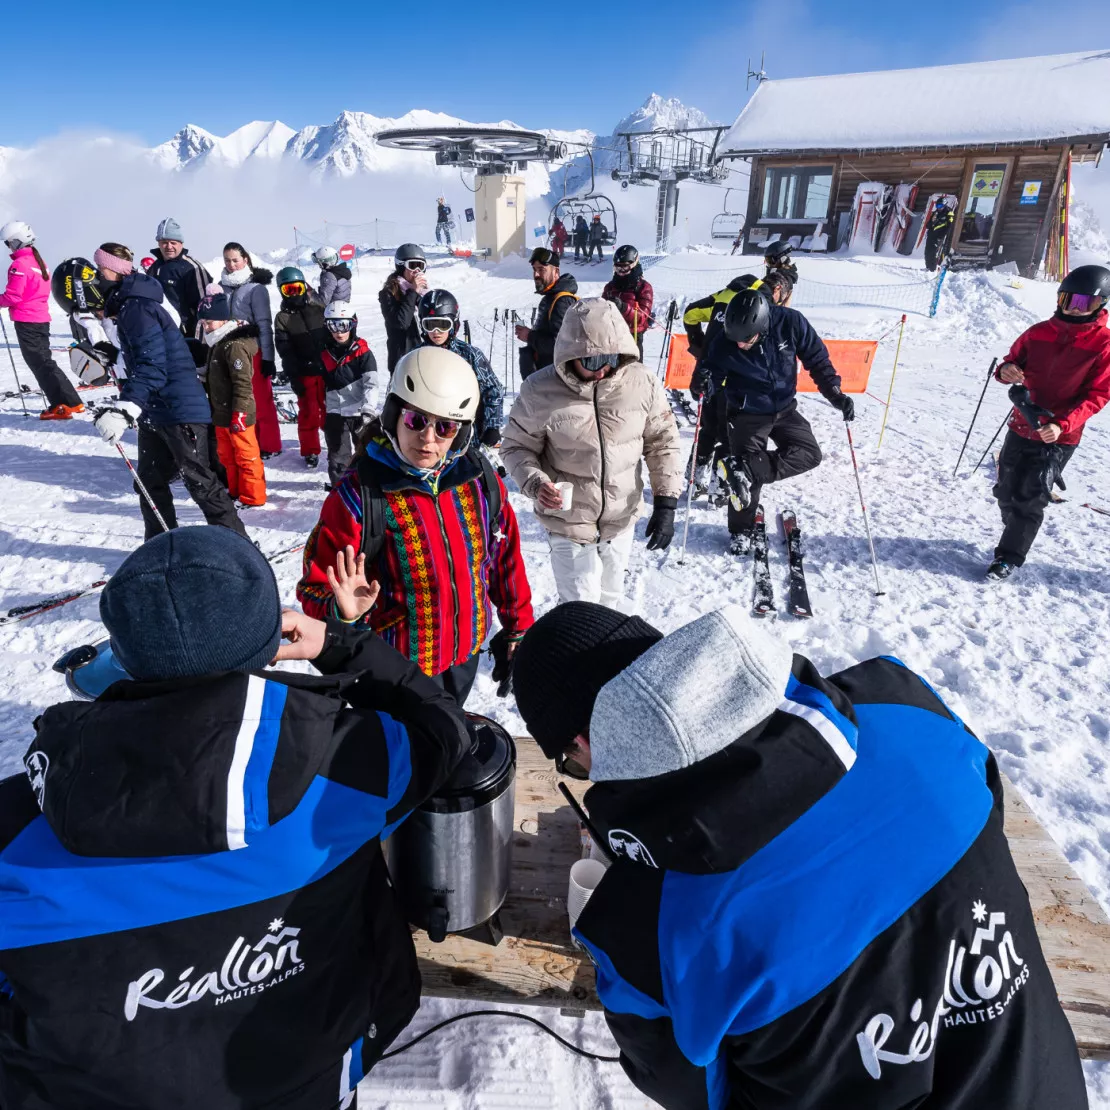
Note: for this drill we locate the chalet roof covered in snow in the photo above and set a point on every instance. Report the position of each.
(1060, 96)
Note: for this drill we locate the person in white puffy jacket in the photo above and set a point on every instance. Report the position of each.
(350, 379)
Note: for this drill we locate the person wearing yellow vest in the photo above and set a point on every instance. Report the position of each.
(559, 292)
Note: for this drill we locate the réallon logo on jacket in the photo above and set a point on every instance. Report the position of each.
(1000, 969)
(276, 959)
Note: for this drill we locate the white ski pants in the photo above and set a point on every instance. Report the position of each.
(591, 571)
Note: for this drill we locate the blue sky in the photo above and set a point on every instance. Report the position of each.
(541, 65)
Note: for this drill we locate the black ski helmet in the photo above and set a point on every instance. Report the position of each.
(408, 252)
(1091, 281)
(438, 302)
(76, 286)
(748, 315)
(780, 248)
(627, 255)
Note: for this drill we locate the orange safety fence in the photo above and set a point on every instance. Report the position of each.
(852, 358)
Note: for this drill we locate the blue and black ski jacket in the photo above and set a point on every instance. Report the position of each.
(825, 913)
(194, 909)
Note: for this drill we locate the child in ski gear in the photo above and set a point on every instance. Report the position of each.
(300, 336)
(558, 236)
(433, 518)
(214, 939)
(589, 420)
(775, 929)
(581, 236)
(335, 276)
(631, 292)
(443, 221)
(232, 353)
(246, 286)
(27, 300)
(596, 239)
(184, 281)
(398, 299)
(753, 361)
(1064, 365)
(161, 394)
(558, 294)
(438, 313)
(350, 378)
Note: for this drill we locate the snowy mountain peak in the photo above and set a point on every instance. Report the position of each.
(190, 143)
(663, 112)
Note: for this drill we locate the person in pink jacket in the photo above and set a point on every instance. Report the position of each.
(27, 300)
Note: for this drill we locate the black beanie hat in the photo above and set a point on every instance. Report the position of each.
(565, 659)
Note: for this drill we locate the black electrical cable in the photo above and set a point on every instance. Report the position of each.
(504, 1014)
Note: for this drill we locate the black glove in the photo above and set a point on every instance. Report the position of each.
(490, 437)
(660, 528)
(844, 403)
(109, 352)
(268, 368)
(698, 381)
(1022, 400)
(502, 662)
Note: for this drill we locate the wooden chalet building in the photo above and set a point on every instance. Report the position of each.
(997, 137)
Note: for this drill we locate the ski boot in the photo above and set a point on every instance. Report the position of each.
(733, 473)
(61, 412)
(702, 480)
(1000, 570)
(312, 461)
(740, 544)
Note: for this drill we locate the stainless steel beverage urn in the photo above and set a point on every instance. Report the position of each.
(450, 859)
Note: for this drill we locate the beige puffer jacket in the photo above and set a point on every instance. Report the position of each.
(593, 434)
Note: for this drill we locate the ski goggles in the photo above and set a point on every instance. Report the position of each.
(418, 421)
(294, 289)
(416, 265)
(339, 325)
(593, 363)
(1081, 303)
(624, 267)
(437, 323)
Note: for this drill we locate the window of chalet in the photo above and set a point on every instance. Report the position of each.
(797, 192)
(982, 200)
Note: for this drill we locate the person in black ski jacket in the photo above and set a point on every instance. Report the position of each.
(581, 236)
(443, 221)
(558, 294)
(206, 920)
(753, 361)
(596, 239)
(300, 336)
(938, 234)
(398, 299)
(161, 396)
(184, 280)
(813, 902)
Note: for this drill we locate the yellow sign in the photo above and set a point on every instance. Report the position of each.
(987, 183)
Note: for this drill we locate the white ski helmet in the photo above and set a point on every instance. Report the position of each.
(17, 234)
(326, 256)
(341, 310)
(438, 382)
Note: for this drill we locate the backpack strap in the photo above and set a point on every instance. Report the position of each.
(561, 293)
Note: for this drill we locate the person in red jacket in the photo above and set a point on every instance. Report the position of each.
(27, 299)
(418, 540)
(631, 293)
(1059, 377)
(558, 236)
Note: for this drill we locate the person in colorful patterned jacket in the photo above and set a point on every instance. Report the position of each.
(423, 517)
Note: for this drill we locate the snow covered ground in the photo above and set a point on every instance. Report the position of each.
(1023, 662)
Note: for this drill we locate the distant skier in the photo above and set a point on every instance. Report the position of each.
(184, 281)
(631, 292)
(335, 276)
(754, 360)
(443, 221)
(300, 335)
(581, 236)
(559, 292)
(938, 234)
(558, 237)
(27, 299)
(777, 257)
(1059, 373)
(596, 239)
(398, 299)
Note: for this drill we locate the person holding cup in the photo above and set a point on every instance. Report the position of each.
(574, 442)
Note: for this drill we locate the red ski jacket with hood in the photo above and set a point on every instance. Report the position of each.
(1067, 370)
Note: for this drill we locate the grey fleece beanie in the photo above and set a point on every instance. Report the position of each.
(169, 228)
(190, 602)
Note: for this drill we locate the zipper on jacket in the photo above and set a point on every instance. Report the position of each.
(601, 448)
(454, 587)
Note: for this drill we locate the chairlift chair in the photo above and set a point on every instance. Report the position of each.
(726, 224)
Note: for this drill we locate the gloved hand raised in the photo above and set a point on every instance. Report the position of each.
(844, 403)
(660, 528)
(112, 421)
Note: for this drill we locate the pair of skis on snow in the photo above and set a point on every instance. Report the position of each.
(798, 602)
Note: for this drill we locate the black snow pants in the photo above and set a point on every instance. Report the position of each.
(339, 435)
(1026, 470)
(167, 450)
(748, 434)
(458, 680)
(713, 433)
(34, 345)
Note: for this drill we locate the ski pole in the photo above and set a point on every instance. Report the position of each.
(975, 416)
(142, 489)
(890, 392)
(18, 383)
(863, 506)
(690, 482)
(492, 336)
(991, 444)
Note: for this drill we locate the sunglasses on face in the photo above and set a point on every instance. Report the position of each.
(339, 325)
(417, 422)
(568, 764)
(436, 323)
(293, 289)
(416, 265)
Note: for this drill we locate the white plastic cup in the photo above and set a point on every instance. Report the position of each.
(584, 877)
(567, 490)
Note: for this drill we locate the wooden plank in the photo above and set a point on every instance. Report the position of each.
(537, 964)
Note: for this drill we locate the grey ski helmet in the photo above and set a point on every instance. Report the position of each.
(408, 252)
(748, 315)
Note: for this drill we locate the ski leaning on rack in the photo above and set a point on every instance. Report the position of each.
(799, 594)
(764, 595)
(681, 404)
